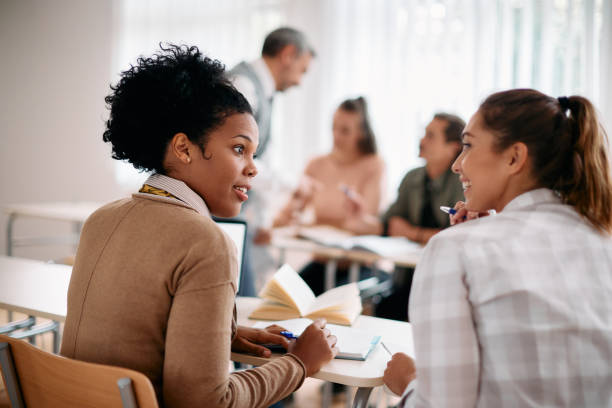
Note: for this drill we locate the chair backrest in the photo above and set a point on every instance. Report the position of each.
(36, 378)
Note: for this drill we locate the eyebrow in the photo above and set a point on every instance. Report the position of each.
(244, 137)
(464, 134)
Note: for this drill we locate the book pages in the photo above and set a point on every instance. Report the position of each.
(288, 287)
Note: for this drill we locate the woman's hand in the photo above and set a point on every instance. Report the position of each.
(263, 236)
(249, 340)
(315, 347)
(464, 214)
(354, 202)
(399, 227)
(399, 373)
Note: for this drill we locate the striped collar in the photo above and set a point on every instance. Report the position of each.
(184, 195)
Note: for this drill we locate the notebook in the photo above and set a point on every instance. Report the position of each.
(337, 238)
(353, 344)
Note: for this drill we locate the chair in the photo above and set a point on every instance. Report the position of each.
(36, 378)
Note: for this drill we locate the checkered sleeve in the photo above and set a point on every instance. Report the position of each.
(445, 340)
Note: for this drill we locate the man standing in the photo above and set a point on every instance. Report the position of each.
(285, 58)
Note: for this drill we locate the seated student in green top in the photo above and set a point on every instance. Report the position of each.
(416, 214)
(154, 280)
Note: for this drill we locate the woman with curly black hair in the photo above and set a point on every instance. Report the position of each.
(154, 280)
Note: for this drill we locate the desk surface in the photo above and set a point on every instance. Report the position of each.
(285, 238)
(34, 287)
(40, 289)
(395, 334)
(63, 211)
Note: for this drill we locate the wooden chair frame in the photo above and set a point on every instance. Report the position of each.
(37, 378)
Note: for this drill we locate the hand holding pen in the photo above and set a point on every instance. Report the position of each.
(459, 213)
(354, 201)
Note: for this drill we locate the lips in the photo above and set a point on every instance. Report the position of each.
(241, 192)
(466, 185)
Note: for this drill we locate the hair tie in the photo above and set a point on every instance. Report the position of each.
(564, 102)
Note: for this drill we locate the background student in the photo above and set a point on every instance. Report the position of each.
(514, 309)
(352, 167)
(154, 280)
(285, 58)
(416, 214)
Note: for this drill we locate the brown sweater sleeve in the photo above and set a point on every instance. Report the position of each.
(196, 372)
(198, 344)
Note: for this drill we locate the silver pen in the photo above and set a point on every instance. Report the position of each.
(385, 347)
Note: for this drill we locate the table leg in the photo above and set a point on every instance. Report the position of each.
(326, 395)
(56, 338)
(9, 234)
(281, 257)
(77, 227)
(354, 272)
(361, 397)
(330, 274)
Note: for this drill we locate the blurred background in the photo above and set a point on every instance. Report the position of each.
(409, 58)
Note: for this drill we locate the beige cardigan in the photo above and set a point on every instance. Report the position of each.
(153, 289)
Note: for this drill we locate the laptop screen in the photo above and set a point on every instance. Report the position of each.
(236, 229)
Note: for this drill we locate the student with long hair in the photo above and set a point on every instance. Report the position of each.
(514, 309)
(353, 167)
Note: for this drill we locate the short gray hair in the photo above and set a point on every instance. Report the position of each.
(283, 36)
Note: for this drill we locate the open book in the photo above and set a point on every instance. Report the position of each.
(353, 344)
(287, 296)
(388, 247)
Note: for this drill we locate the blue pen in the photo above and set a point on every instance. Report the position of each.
(288, 334)
(448, 210)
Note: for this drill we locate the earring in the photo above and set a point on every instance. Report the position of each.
(188, 160)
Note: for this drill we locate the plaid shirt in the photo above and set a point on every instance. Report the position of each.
(514, 310)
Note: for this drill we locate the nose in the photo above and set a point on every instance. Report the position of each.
(456, 166)
(251, 169)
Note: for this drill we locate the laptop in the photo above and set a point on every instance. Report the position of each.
(237, 231)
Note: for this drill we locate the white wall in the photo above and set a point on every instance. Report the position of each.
(54, 73)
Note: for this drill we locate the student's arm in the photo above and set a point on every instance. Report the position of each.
(372, 190)
(445, 339)
(300, 197)
(198, 339)
(363, 207)
(399, 227)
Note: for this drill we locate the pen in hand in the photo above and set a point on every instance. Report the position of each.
(448, 210)
(277, 348)
(288, 334)
(347, 191)
(385, 347)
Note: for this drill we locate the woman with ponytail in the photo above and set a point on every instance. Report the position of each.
(515, 309)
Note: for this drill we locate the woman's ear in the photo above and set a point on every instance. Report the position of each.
(516, 157)
(179, 148)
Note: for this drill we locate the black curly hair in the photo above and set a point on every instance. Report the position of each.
(176, 90)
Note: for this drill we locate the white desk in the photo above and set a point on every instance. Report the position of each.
(285, 240)
(40, 289)
(34, 287)
(37, 289)
(363, 374)
(73, 212)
